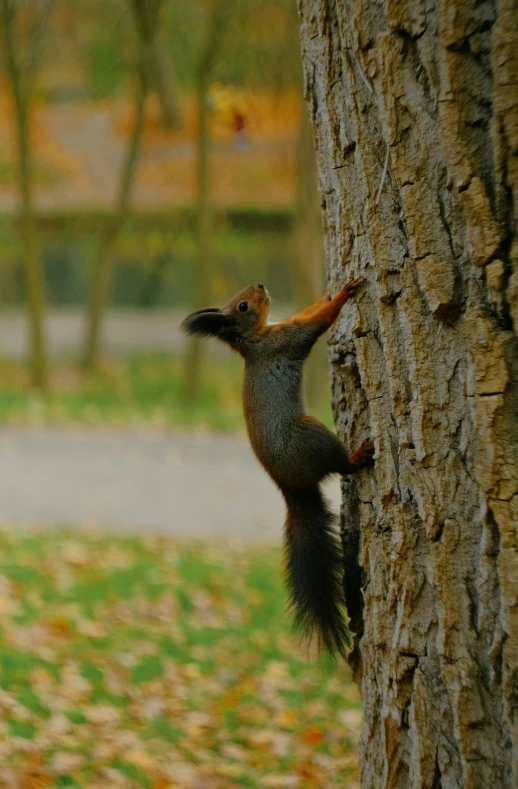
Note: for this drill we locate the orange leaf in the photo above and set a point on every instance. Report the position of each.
(59, 625)
(312, 735)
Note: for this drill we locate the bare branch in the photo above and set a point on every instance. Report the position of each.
(38, 34)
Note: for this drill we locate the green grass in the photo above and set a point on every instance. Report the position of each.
(145, 662)
(140, 390)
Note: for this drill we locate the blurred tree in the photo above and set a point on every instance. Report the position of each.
(146, 15)
(103, 268)
(217, 22)
(161, 71)
(269, 58)
(21, 74)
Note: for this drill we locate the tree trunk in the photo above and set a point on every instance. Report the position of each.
(217, 23)
(309, 260)
(21, 86)
(163, 79)
(193, 359)
(414, 108)
(160, 68)
(103, 266)
(146, 16)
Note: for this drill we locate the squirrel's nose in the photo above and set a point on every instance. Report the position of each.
(260, 285)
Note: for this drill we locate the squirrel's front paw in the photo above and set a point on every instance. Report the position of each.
(351, 287)
(354, 284)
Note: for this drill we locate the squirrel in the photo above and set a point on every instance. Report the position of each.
(295, 449)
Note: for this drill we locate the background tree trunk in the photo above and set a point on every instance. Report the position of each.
(414, 108)
(21, 73)
(147, 12)
(102, 274)
(161, 74)
(214, 37)
(202, 289)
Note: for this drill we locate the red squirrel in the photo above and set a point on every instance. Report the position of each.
(296, 450)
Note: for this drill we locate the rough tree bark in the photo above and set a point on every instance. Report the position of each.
(308, 271)
(414, 107)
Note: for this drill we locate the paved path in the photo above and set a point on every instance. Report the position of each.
(184, 485)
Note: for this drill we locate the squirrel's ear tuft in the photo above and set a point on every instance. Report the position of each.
(207, 323)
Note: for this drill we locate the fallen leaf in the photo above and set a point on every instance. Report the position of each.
(312, 735)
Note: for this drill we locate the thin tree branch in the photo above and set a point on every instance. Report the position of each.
(36, 46)
(12, 65)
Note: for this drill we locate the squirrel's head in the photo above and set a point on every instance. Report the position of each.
(245, 314)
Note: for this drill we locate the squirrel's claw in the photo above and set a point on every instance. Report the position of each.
(364, 456)
(354, 284)
(368, 448)
(350, 288)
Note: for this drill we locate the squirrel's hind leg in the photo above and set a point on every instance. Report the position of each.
(322, 453)
(363, 456)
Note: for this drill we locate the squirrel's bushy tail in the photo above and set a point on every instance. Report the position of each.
(314, 571)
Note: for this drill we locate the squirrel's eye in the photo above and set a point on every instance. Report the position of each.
(243, 306)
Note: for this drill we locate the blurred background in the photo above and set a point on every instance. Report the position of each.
(155, 157)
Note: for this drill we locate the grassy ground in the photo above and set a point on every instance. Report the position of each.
(139, 390)
(143, 389)
(128, 662)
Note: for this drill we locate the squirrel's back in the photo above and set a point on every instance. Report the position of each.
(272, 404)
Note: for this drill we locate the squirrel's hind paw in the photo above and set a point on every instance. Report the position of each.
(364, 456)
